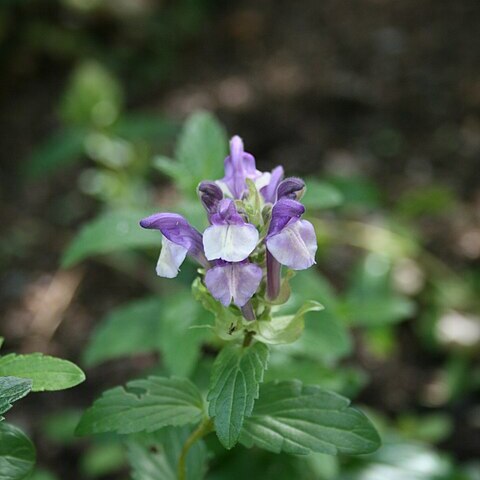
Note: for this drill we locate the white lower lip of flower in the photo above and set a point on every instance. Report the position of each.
(232, 243)
(170, 259)
(295, 245)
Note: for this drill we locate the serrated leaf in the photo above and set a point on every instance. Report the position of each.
(11, 390)
(46, 373)
(144, 406)
(236, 375)
(155, 456)
(320, 195)
(17, 453)
(286, 328)
(107, 233)
(201, 149)
(299, 419)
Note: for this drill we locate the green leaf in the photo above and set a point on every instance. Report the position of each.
(201, 149)
(299, 419)
(145, 126)
(286, 328)
(144, 406)
(11, 390)
(110, 232)
(326, 338)
(46, 373)
(319, 195)
(93, 97)
(228, 324)
(61, 149)
(152, 324)
(132, 328)
(155, 456)
(234, 384)
(17, 453)
(371, 300)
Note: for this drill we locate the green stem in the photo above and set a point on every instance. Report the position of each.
(203, 429)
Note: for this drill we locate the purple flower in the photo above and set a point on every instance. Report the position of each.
(292, 188)
(269, 192)
(290, 241)
(178, 239)
(210, 195)
(235, 282)
(239, 166)
(229, 237)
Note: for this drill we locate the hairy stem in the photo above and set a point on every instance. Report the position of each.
(203, 429)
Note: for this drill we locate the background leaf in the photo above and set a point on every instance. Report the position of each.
(201, 149)
(46, 373)
(319, 195)
(130, 329)
(155, 456)
(110, 232)
(144, 406)
(152, 324)
(236, 375)
(299, 419)
(61, 149)
(11, 390)
(17, 453)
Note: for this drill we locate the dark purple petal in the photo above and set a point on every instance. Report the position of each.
(284, 211)
(176, 229)
(269, 192)
(235, 282)
(291, 188)
(210, 195)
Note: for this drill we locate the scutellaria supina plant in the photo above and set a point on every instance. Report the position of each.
(256, 227)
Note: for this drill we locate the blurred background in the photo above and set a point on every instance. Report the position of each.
(377, 102)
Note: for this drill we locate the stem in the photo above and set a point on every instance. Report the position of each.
(247, 340)
(203, 429)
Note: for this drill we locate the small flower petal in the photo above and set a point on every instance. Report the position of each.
(179, 231)
(269, 192)
(284, 211)
(210, 195)
(292, 188)
(232, 243)
(170, 259)
(295, 245)
(235, 282)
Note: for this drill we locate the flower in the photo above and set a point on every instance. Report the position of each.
(239, 166)
(235, 282)
(290, 241)
(179, 238)
(229, 237)
(236, 258)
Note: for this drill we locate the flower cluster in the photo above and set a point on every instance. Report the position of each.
(256, 226)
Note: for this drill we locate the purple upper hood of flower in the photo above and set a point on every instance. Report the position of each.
(239, 166)
(179, 239)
